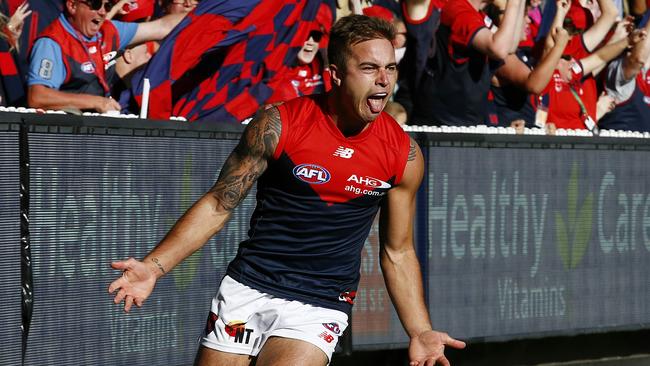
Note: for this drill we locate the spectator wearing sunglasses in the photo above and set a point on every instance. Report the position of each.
(308, 75)
(70, 64)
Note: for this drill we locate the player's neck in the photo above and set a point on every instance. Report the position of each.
(344, 118)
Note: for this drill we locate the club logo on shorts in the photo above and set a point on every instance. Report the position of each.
(332, 327)
(211, 323)
(348, 296)
(236, 329)
(311, 173)
(327, 337)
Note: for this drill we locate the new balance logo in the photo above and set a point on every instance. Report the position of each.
(343, 152)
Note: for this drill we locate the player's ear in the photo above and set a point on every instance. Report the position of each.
(336, 75)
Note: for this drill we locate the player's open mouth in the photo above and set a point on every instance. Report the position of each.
(97, 21)
(376, 102)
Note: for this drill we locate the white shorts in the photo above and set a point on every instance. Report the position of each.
(242, 319)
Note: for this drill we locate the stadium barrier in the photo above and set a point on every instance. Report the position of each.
(518, 236)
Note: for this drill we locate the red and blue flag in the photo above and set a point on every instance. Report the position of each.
(217, 63)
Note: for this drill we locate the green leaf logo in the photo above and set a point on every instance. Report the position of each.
(577, 226)
(185, 272)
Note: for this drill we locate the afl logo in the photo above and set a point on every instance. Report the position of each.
(312, 174)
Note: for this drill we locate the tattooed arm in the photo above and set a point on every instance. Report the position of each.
(401, 268)
(207, 216)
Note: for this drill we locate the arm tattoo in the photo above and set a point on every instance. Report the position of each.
(248, 160)
(412, 150)
(160, 267)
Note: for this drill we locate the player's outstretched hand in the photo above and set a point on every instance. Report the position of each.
(135, 284)
(428, 348)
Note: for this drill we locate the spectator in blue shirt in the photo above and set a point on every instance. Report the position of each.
(71, 62)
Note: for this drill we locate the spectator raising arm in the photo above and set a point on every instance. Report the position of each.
(156, 30)
(505, 40)
(118, 8)
(593, 36)
(519, 25)
(618, 42)
(534, 81)
(14, 26)
(626, 83)
(417, 9)
(640, 54)
(597, 60)
(562, 8)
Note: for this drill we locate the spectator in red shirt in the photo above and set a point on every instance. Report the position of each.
(308, 76)
(573, 104)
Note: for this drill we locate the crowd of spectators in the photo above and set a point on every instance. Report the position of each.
(537, 64)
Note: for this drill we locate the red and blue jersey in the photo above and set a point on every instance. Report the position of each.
(416, 69)
(510, 103)
(459, 95)
(316, 203)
